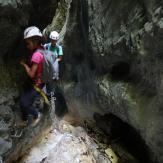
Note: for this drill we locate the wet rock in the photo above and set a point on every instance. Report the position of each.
(15, 16)
(72, 144)
(23, 137)
(7, 114)
(5, 146)
(117, 63)
(8, 95)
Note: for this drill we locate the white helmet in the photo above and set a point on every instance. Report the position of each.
(54, 35)
(32, 31)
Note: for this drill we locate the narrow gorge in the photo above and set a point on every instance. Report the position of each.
(112, 73)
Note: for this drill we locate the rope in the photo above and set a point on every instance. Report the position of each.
(42, 93)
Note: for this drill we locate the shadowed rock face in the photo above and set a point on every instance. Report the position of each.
(116, 65)
(113, 57)
(131, 32)
(125, 135)
(15, 16)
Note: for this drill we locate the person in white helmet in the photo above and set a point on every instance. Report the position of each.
(33, 41)
(54, 47)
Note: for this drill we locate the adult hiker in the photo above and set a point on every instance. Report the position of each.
(33, 41)
(54, 47)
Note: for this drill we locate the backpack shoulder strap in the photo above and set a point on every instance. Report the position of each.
(41, 51)
(47, 46)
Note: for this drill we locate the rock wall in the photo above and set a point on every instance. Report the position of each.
(113, 59)
(126, 39)
(15, 16)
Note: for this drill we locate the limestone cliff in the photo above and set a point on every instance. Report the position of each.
(116, 65)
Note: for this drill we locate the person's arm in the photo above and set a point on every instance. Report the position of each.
(30, 71)
(60, 58)
(60, 54)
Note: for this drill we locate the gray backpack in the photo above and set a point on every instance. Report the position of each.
(49, 69)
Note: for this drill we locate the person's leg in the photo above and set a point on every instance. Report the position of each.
(26, 102)
(56, 70)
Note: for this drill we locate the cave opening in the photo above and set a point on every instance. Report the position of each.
(124, 135)
(120, 70)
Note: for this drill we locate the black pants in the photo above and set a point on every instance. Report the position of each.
(26, 101)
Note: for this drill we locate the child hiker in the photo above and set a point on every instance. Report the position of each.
(33, 41)
(58, 53)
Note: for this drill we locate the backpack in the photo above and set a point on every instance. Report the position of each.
(47, 47)
(49, 66)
